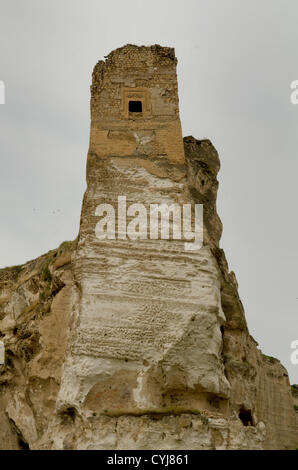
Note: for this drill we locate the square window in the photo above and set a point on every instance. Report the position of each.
(135, 106)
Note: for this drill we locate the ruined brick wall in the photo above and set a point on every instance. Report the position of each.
(147, 75)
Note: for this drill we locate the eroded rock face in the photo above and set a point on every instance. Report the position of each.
(36, 302)
(137, 344)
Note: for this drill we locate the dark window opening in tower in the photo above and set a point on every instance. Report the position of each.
(135, 106)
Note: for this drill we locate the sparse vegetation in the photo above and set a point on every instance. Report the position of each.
(46, 274)
(64, 246)
(271, 358)
(16, 271)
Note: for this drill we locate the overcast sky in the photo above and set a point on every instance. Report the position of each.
(237, 59)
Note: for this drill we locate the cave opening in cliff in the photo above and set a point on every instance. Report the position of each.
(135, 106)
(68, 415)
(23, 444)
(246, 417)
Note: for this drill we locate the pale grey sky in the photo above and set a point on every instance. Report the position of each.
(237, 59)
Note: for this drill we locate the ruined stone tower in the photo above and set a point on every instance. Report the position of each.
(140, 317)
(120, 343)
(134, 104)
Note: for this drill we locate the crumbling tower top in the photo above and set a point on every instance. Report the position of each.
(134, 104)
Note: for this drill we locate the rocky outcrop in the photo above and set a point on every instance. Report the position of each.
(191, 380)
(137, 344)
(35, 312)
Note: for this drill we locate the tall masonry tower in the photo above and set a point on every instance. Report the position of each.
(139, 318)
(134, 104)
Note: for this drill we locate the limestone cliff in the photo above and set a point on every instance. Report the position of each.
(137, 344)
